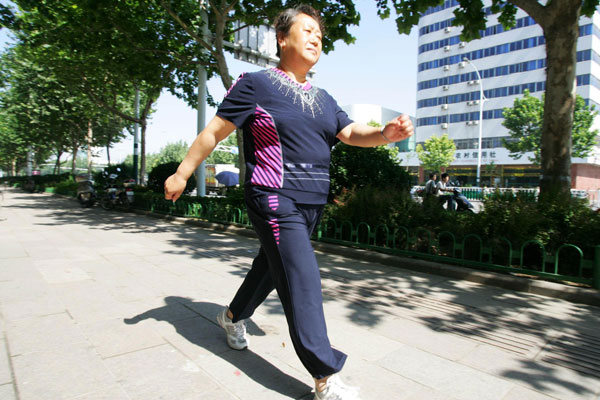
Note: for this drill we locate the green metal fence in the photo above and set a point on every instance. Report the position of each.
(567, 263)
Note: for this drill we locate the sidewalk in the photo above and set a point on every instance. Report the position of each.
(109, 305)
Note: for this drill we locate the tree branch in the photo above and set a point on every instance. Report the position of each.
(190, 32)
(238, 29)
(215, 9)
(535, 10)
(102, 103)
(227, 9)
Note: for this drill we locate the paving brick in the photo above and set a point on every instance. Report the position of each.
(160, 372)
(60, 372)
(451, 379)
(7, 392)
(5, 370)
(42, 333)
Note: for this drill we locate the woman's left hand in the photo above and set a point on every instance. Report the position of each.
(399, 128)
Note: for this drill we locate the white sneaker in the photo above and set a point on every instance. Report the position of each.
(236, 332)
(337, 390)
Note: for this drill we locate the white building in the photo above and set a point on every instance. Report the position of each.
(448, 91)
(365, 113)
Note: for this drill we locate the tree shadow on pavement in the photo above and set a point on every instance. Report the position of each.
(371, 293)
(212, 338)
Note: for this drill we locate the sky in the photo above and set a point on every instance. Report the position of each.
(379, 68)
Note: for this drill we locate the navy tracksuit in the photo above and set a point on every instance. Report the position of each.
(289, 130)
(286, 262)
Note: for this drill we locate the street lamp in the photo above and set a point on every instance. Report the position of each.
(481, 100)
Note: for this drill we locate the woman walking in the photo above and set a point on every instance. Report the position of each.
(289, 129)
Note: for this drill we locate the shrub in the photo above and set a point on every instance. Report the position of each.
(140, 188)
(160, 173)
(123, 171)
(360, 167)
(36, 182)
(235, 197)
(517, 218)
(67, 187)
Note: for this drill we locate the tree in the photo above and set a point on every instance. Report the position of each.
(524, 123)
(49, 116)
(490, 169)
(13, 147)
(226, 152)
(108, 50)
(437, 154)
(224, 18)
(172, 152)
(559, 19)
(112, 47)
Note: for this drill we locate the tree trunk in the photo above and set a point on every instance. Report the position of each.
(90, 137)
(108, 153)
(561, 32)
(74, 161)
(57, 165)
(14, 167)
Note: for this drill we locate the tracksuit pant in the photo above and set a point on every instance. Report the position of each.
(286, 262)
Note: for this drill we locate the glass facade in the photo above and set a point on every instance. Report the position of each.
(509, 62)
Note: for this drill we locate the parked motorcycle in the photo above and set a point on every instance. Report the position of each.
(86, 194)
(462, 203)
(115, 195)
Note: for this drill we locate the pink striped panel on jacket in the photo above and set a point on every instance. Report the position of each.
(268, 171)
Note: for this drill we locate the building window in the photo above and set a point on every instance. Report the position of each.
(490, 93)
(584, 55)
(447, 4)
(481, 53)
(490, 31)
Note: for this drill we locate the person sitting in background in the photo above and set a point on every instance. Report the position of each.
(442, 187)
(430, 186)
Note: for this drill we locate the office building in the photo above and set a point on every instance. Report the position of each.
(509, 62)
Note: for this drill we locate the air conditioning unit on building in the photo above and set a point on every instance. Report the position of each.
(446, 68)
(446, 48)
(462, 44)
(475, 102)
(471, 82)
(475, 122)
(469, 103)
(461, 64)
(444, 126)
(447, 29)
(469, 122)
(444, 106)
(446, 87)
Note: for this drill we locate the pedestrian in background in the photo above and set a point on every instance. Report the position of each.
(289, 128)
(430, 186)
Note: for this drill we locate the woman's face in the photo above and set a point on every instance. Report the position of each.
(303, 40)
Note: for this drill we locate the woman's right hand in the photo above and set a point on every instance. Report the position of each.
(174, 187)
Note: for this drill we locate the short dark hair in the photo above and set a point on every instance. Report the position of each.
(444, 175)
(286, 18)
(431, 175)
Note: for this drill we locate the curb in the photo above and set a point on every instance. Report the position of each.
(516, 283)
